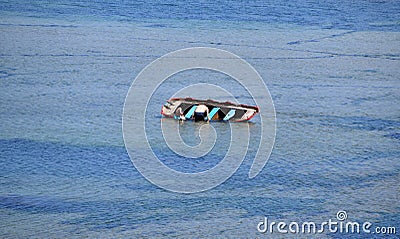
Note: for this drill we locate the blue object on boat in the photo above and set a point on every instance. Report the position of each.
(191, 112)
(230, 114)
(213, 112)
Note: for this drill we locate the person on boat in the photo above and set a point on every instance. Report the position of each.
(179, 114)
(201, 113)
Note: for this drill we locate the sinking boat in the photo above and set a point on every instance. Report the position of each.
(185, 109)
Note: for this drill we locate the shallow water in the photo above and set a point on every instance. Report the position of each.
(65, 70)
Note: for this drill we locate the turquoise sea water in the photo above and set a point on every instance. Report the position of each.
(65, 68)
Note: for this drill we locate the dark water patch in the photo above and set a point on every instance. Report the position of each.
(361, 100)
(157, 26)
(109, 214)
(389, 219)
(190, 135)
(370, 71)
(39, 25)
(321, 38)
(164, 211)
(289, 58)
(349, 15)
(92, 54)
(360, 123)
(327, 173)
(24, 157)
(38, 204)
(5, 74)
(393, 135)
(348, 122)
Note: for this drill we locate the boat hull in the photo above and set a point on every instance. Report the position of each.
(218, 111)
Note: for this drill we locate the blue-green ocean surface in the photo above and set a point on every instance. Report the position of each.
(332, 68)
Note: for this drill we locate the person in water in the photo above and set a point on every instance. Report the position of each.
(179, 114)
(201, 113)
